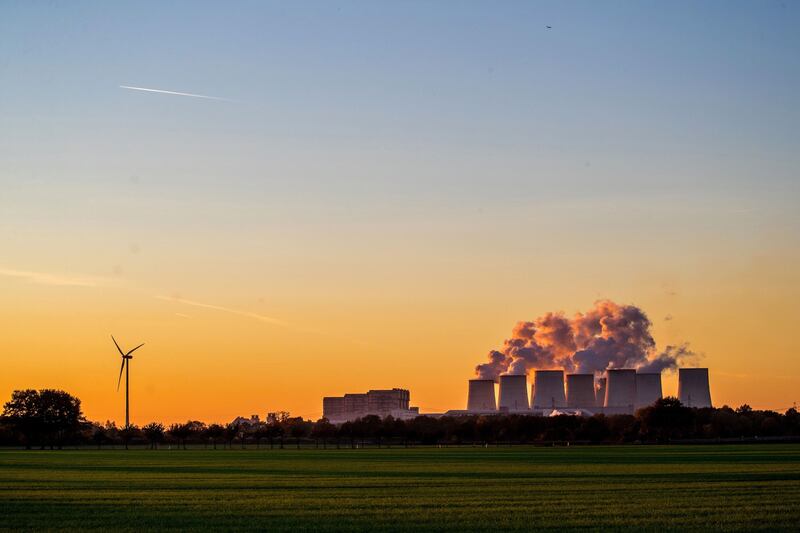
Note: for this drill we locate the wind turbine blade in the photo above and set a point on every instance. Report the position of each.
(117, 345)
(120, 373)
(135, 349)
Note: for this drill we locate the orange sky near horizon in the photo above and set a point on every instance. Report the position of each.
(213, 358)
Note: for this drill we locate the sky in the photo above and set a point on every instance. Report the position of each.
(380, 191)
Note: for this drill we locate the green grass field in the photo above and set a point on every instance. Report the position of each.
(521, 488)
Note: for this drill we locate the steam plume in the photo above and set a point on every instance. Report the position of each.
(609, 335)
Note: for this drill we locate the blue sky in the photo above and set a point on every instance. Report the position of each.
(655, 80)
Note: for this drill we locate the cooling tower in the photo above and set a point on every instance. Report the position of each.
(621, 388)
(600, 393)
(481, 395)
(693, 389)
(580, 390)
(648, 389)
(514, 392)
(548, 388)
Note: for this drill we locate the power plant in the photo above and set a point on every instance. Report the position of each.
(693, 389)
(620, 391)
(648, 389)
(548, 387)
(481, 396)
(514, 393)
(382, 403)
(580, 391)
(600, 393)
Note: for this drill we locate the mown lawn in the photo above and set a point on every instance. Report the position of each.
(744, 487)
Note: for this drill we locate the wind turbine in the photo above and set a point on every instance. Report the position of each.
(126, 357)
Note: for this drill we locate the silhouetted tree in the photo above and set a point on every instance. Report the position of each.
(213, 433)
(323, 430)
(298, 429)
(99, 435)
(183, 432)
(47, 417)
(232, 431)
(666, 419)
(593, 429)
(259, 431)
(130, 434)
(154, 432)
(276, 422)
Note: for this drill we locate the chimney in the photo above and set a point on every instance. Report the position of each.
(648, 389)
(580, 391)
(600, 393)
(621, 389)
(514, 392)
(549, 389)
(693, 389)
(481, 395)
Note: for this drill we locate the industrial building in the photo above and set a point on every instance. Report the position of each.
(600, 392)
(693, 388)
(480, 397)
(580, 391)
(548, 389)
(380, 402)
(514, 393)
(620, 391)
(648, 389)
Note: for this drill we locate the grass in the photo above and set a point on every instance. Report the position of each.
(737, 487)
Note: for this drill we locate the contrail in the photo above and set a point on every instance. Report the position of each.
(247, 314)
(44, 278)
(161, 91)
(256, 316)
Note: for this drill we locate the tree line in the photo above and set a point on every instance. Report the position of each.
(53, 419)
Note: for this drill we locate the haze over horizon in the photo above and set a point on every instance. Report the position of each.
(289, 201)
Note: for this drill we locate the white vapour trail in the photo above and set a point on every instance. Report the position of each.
(256, 316)
(175, 93)
(247, 314)
(44, 278)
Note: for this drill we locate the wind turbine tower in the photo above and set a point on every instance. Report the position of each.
(126, 357)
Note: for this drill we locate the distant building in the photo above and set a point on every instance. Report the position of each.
(333, 407)
(243, 421)
(382, 403)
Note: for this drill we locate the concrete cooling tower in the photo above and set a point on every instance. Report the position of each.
(580, 390)
(481, 395)
(514, 392)
(693, 389)
(621, 389)
(600, 393)
(648, 389)
(548, 388)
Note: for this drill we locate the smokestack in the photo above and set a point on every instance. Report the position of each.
(693, 389)
(648, 388)
(580, 390)
(481, 395)
(549, 389)
(621, 388)
(514, 392)
(600, 393)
